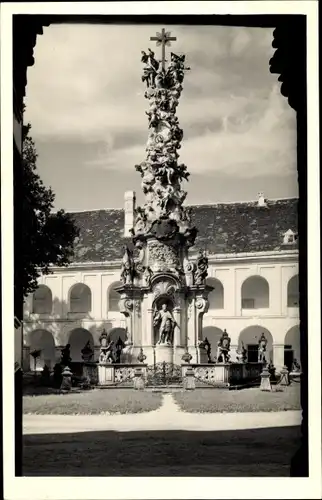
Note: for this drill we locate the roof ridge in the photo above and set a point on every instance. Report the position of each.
(212, 204)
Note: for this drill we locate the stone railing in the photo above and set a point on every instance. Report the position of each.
(225, 374)
(120, 374)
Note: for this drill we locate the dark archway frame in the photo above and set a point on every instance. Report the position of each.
(288, 61)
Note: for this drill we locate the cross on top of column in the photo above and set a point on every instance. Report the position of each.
(164, 38)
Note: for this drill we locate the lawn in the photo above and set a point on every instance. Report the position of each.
(254, 452)
(92, 402)
(245, 400)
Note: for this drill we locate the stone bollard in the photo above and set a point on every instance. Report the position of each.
(66, 384)
(138, 381)
(189, 382)
(285, 379)
(265, 380)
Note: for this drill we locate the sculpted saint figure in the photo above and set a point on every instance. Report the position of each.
(262, 343)
(223, 348)
(164, 320)
(128, 271)
(201, 271)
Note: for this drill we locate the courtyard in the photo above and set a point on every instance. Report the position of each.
(97, 433)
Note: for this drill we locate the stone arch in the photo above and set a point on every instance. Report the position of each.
(216, 296)
(42, 340)
(113, 297)
(292, 346)
(255, 293)
(250, 336)
(42, 300)
(77, 339)
(80, 298)
(293, 291)
(213, 334)
(117, 332)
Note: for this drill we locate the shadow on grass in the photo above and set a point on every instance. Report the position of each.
(242, 453)
(45, 391)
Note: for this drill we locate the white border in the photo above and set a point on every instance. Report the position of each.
(153, 488)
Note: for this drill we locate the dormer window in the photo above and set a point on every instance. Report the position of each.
(289, 237)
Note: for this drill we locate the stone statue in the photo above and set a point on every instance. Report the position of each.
(296, 368)
(207, 347)
(107, 354)
(201, 271)
(147, 275)
(262, 344)
(241, 354)
(223, 348)
(165, 322)
(150, 68)
(87, 352)
(65, 356)
(128, 268)
(118, 350)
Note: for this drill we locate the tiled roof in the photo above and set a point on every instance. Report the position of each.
(222, 228)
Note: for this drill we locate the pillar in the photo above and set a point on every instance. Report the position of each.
(177, 329)
(26, 358)
(233, 352)
(278, 356)
(58, 351)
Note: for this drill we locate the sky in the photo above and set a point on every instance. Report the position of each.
(85, 102)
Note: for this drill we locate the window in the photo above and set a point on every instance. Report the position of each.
(80, 299)
(42, 300)
(248, 304)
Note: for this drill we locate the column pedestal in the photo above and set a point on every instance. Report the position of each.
(163, 353)
(105, 374)
(278, 356)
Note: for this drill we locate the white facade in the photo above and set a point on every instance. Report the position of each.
(254, 293)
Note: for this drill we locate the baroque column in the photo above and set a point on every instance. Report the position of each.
(156, 269)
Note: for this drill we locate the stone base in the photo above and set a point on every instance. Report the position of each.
(105, 374)
(90, 372)
(163, 353)
(177, 355)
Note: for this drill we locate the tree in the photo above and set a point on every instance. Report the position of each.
(47, 237)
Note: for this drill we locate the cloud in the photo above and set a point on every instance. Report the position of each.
(86, 87)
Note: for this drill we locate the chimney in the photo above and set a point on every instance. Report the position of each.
(129, 211)
(261, 200)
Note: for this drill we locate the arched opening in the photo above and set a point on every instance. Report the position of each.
(42, 343)
(117, 333)
(42, 302)
(113, 297)
(293, 292)
(213, 334)
(80, 299)
(292, 347)
(255, 293)
(216, 296)
(249, 337)
(78, 338)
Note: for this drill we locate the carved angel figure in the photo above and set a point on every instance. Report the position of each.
(150, 69)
